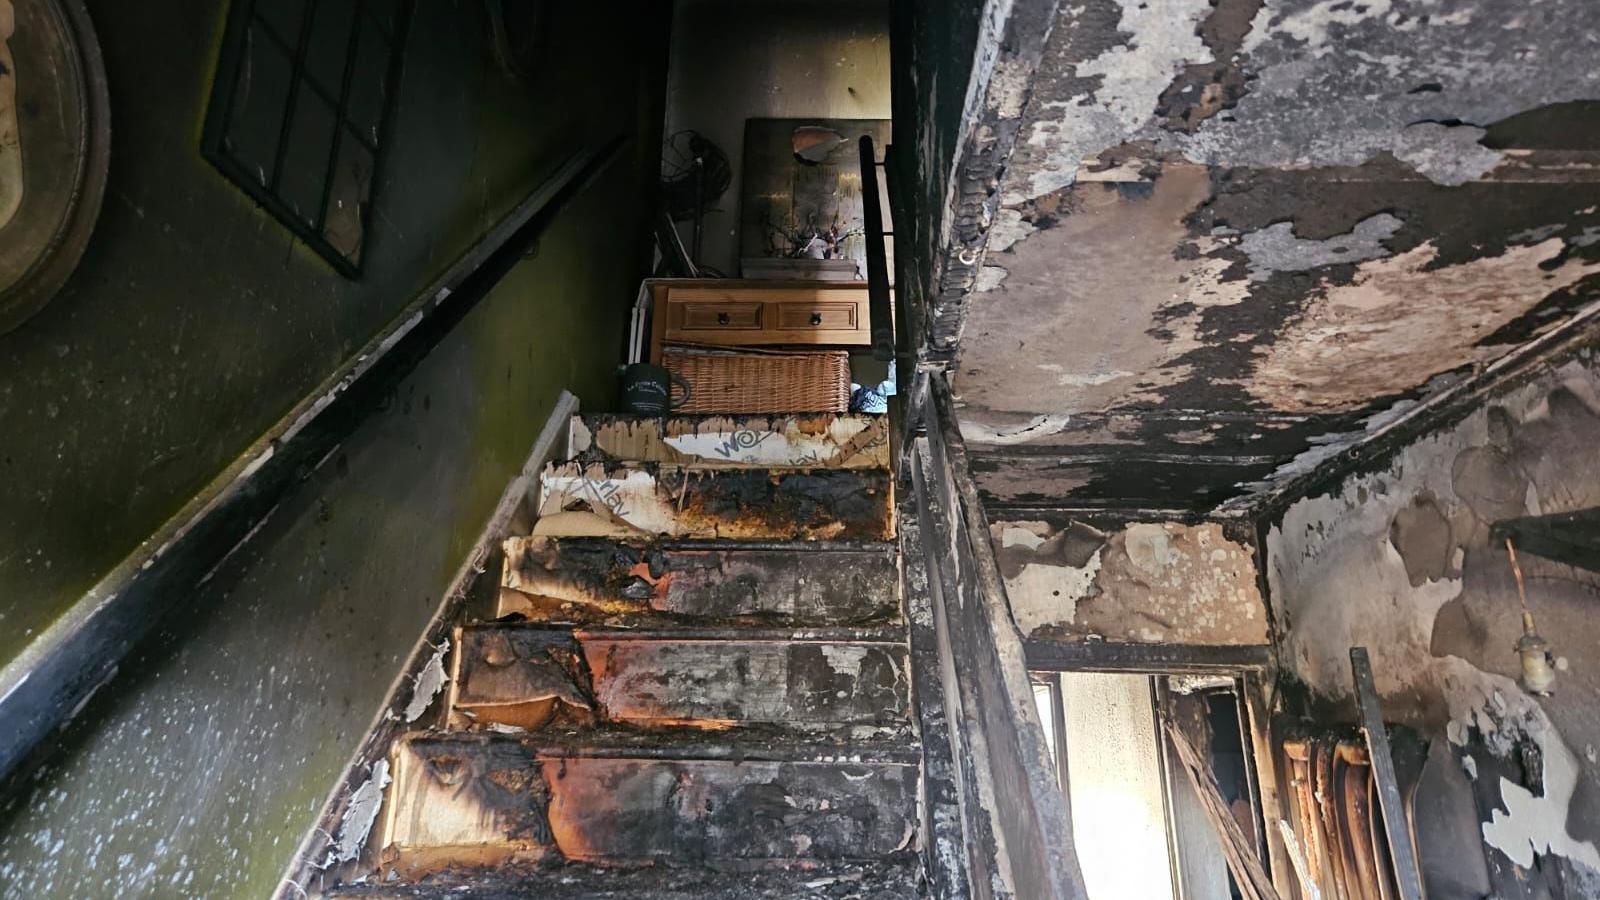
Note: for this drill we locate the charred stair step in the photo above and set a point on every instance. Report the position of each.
(812, 440)
(630, 500)
(865, 880)
(486, 800)
(588, 580)
(526, 676)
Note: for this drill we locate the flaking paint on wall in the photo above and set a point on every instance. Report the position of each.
(1151, 582)
(1399, 560)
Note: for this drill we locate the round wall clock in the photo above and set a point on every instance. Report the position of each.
(55, 143)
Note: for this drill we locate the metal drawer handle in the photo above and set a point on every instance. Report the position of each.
(723, 319)
(816, 318)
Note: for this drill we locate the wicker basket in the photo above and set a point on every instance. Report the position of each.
(745, 382)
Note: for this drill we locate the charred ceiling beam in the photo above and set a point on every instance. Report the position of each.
(1122, 656)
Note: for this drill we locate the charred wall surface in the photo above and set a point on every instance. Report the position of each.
(1400, 560)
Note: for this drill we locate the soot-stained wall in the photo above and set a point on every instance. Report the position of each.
(195, 320)
(200, 768)
(1400, 560)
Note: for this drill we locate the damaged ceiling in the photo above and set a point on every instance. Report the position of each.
(1229, 237)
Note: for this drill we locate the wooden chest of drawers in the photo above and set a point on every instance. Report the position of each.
(725, 312)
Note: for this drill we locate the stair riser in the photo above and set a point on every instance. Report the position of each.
(798, 587)
(605, 810)
(740, 504)
(810, 441)
(526, 677)
(477, 804)
(797, 685)
(467, 802)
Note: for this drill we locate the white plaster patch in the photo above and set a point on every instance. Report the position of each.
(1532, 825)
(1012, 536)
(1446, 154)
(1033, 429)
(989, 278)
(845, 659)
(1276, 249)
(1310, 26)
(1048, 594)
(1130, 77)
(1008, 228)
(1083, 379)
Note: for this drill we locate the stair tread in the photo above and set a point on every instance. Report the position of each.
(898, 879)
(646, 498)
(860, 745)
(582, 580)
(661, 627)
(774, 440)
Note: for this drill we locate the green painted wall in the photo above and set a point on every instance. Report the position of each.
(193, 324)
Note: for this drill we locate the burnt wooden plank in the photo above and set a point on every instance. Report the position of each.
(1121, 656)
(636, 810)
(1402, 853)
(892, 879)
(519, 677)
(782, 586)
(794, 683)
(460, 801)
(630, 500)
(820, 440)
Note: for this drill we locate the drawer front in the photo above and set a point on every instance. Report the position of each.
(821, 316)
(718, 316)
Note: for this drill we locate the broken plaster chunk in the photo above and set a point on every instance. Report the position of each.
(428, 683)
(360, 815)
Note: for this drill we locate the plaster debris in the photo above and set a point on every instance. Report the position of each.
(1089, 379)
(429, 682)
(360, 815)
(1276, 249)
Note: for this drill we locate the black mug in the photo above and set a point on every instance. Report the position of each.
(647, 389)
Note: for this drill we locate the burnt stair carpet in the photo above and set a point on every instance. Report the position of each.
(695, 682)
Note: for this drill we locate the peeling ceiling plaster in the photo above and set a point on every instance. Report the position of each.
(1270, 208)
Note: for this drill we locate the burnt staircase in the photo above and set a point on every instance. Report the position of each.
(695, 682)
